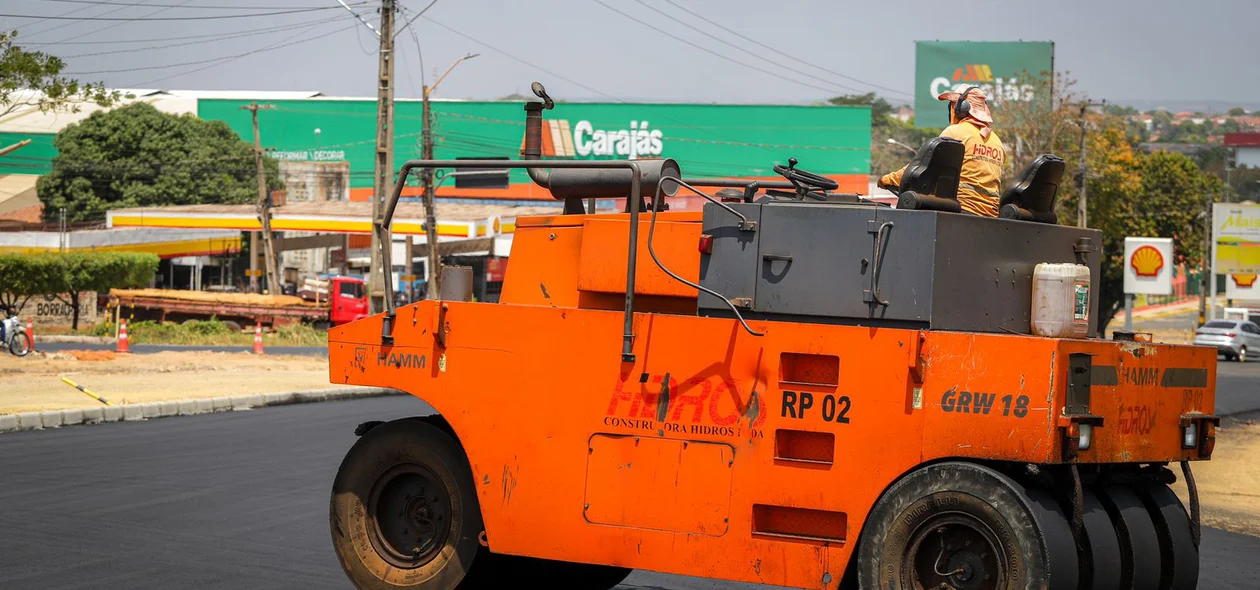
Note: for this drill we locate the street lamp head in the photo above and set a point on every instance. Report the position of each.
(892, 141)
(471, 55)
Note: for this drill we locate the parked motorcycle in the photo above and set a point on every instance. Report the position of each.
(15, 337)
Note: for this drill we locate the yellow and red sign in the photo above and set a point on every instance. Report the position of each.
(973, 73)
(1147, 261)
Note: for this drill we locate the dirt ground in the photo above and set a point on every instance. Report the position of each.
(1229, 484)
(34, 383)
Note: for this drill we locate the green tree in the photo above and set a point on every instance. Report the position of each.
(33, 79)
(68, 276)
(880, 108)
(1187, 132)
(1131, 193)
(1237, 112)
(1136, 194)
(1161, 120)
(885, 155)
(139, 156)
(1118, 110)
(102, 271)
(23, 276)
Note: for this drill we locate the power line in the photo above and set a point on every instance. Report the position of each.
(215, 39)
(418, 15)
(205, 6)
(114, 25)
(711, 52)
(763, 45)
(69, 12)
(745, 50)
(181, 37)
(523, 62)
(173, 18)
(416, 40)
(203, 61)
(535, 66)
(227, 59)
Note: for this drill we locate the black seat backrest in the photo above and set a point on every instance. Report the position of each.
(1037, 185)
(1031, 197)
(935, 168)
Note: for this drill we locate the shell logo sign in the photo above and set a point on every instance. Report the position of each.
(1147, 261)
(1147, 264)
(1244, 280)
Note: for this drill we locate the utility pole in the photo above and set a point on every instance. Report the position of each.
(434, 284)
(1082, 211)
(384, 174)
(426, 175)
(1205, 273)
(264, 212)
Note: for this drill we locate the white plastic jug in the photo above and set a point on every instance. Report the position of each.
(1060, 300)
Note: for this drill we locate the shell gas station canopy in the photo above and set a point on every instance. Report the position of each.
(454, 220)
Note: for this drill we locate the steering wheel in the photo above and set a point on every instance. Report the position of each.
(805, 182)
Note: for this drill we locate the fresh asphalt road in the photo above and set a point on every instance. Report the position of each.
(1237, 388)
(152, 348)
(239, 500)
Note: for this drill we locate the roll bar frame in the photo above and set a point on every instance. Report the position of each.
(381, 227)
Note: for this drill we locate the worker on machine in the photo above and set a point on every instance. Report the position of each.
(980, 181)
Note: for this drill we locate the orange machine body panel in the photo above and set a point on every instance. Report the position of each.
(718, 453)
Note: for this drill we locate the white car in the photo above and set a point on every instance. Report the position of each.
(1233, 338)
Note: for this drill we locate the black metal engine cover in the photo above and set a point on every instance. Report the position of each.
(817, 262)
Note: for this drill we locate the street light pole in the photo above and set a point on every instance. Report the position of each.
(426, 175)
(908, 148)
(1082, 211)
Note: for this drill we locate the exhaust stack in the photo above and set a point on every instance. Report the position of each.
(573, 185)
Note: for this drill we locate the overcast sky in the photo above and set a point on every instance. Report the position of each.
(1159, 50)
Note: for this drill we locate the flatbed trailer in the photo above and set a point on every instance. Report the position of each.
(741, 396)
(345, 302)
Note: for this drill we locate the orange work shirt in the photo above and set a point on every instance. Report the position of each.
(980, 181)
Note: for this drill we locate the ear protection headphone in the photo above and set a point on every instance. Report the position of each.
(962, 108)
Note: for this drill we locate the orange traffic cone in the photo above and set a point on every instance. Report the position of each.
(123, 344)
(258, 347)
(30, 332)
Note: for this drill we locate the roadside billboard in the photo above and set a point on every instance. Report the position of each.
(997, 68)
(1242, 286)
(1236, 238)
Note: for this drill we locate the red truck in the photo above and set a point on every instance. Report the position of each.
(344, 302)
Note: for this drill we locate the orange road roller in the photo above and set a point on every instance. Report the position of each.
(788, 386)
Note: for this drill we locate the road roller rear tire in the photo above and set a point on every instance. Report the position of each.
(1099, 549)
(1179, 556)
(1140, 559)
(404, 513)
(956, 523)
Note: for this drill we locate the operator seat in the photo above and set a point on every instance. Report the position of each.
(931, 179)
(1031, 196)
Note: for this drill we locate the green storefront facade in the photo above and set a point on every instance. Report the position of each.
(707, 139)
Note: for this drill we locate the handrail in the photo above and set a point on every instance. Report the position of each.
(744, 225)
(381, 227)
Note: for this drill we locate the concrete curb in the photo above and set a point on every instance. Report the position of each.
(71, 339)
(184, 407)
